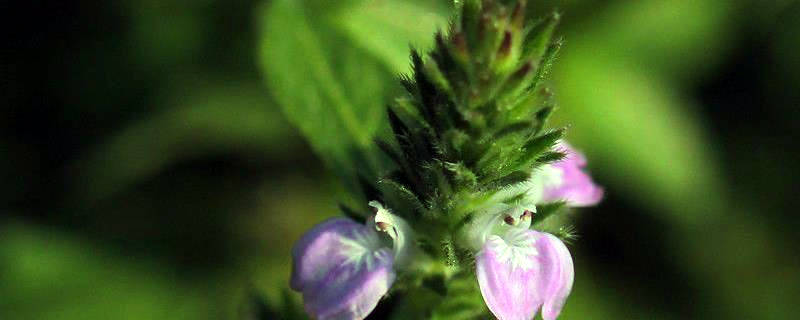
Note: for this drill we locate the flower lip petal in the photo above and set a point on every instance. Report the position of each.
(342, 269)
(521, 271)
(557, 273)
(508, 277)
(351, 291)
(310, 252)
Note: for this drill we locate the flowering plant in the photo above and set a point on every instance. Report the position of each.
(476, 172)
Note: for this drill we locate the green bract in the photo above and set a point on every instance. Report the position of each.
(471, 125)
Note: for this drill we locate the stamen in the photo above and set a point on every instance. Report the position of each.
(509, 220)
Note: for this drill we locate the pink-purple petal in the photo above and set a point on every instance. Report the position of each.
(351, 291)
(576, 187)
(309, 255)
(557, 273)
(342, 269)
(523, 271)
(509, 289)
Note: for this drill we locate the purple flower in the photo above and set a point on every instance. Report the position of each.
(571, 183)
(344, 268)
(521, 271)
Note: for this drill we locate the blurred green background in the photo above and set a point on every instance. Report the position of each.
(154, 164)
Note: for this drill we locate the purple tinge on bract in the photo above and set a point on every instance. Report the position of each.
(523, 270)
(576, 186)
(342, 268)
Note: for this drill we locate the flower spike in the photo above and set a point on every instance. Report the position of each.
(472, 158)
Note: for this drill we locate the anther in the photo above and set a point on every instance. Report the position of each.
(383, 226)
(527, 214)
(509, 220)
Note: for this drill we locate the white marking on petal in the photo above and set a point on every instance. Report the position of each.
(516, 247)
(361, 248)
(508, 275)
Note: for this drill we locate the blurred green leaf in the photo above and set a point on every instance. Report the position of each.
(48, 275)
(333, 92)
(615, 90)
(633, 126)
(673, 38)
(386, 29)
